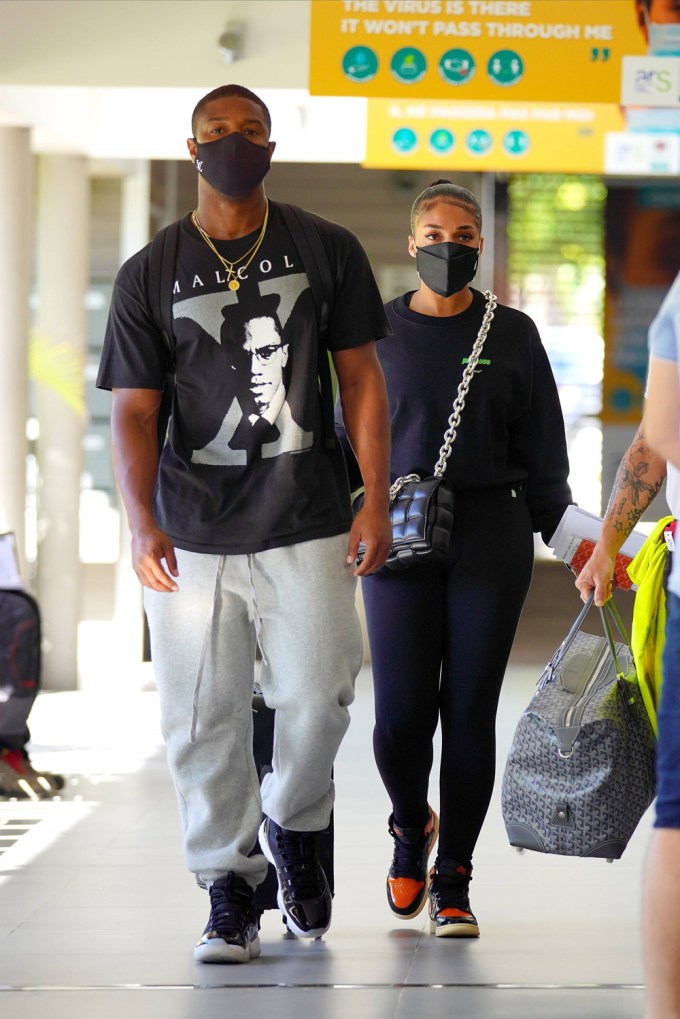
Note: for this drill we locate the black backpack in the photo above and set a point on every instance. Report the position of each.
(307, 238)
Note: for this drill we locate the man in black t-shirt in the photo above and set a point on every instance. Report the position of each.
(242, 532)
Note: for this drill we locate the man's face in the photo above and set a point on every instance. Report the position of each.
(232, 113)
(268, 357)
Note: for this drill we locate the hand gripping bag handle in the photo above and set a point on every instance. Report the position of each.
(608, 612)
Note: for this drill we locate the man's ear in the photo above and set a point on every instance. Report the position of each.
(272, 146)
(284, 355)
(191, 145)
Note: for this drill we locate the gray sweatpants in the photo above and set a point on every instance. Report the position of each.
(297, 603)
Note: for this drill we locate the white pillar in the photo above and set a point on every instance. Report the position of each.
(487, 201)
(63, 229)
(16, 236)
(129, 614)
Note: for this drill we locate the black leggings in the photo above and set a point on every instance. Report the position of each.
(440, 639)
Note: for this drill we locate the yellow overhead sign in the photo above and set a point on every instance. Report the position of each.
(514, 137)
(499, 50)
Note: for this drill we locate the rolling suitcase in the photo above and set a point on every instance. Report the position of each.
(263, 742)
(19, 664)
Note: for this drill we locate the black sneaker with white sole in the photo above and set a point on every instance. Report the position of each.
(304, 897)
(231, 934)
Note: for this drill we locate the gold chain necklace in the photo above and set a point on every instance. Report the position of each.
(232, 277)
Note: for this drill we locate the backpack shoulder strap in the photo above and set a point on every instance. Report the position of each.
(160, 282)
(161, 276)
(305, 233)
(307, 238)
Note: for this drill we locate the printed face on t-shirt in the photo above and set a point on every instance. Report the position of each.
(268, 356)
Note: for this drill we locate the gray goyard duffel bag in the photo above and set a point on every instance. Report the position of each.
(581, 769)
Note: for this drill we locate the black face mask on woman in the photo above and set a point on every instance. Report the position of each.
(446, 268)
(233, 165)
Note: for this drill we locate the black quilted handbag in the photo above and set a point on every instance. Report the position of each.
(421, 509)
(581, 769)
(421, 512)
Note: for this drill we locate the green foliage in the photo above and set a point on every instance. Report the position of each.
(556, 242)
(58, 367)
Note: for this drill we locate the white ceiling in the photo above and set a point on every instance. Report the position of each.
(118, 79)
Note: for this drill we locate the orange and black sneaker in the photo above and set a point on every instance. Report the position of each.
(407, 880)
(450, 913)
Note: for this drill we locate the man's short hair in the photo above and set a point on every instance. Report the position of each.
(238, 316)
(221, 93)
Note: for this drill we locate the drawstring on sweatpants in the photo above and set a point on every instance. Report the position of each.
(204, 647)
(257, 622)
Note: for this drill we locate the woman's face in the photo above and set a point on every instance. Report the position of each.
(443, 222)
(661, 12)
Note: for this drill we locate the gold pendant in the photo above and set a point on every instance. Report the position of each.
(234, 284)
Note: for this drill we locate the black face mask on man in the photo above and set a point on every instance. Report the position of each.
(233, 165)
(446, 268)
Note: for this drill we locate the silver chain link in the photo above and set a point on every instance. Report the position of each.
(470, 367)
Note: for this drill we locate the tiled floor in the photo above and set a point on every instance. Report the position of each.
(98, 916)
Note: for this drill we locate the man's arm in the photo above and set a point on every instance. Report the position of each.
(134, 429)
(365, 411)
(662, 409)
(639, 477)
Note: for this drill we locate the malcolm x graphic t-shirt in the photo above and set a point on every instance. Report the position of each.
(245, 467)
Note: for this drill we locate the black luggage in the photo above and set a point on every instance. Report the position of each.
(263, 742)
(19, 664)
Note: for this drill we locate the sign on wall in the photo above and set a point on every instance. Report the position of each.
(498, 50)
(513, 137)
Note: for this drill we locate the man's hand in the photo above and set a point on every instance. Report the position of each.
(597, 575)
(149, 548)
(372, 526)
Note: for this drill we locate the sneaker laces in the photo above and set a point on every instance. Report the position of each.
(299, 865)
(409, 849)
(451, 885)
(231, 902)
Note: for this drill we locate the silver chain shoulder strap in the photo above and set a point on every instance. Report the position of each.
(459, 402)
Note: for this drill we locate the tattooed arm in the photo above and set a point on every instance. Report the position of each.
(639, 477)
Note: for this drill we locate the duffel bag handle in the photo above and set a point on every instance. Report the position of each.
(608, 610)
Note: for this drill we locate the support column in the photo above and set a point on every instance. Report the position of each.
(15, 272)
(129, 613)
(487, 201)
(63, 228)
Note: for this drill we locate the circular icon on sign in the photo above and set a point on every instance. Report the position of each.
(457, 67)
(408, 65)
(516, 143)
(404, 140)
(442, 141)
(360, 63)
(505, 67)
(621, 399)
(479, 142)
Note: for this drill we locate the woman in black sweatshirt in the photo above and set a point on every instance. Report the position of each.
(440, 636)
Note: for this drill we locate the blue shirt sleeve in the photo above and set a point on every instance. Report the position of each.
(664, 332)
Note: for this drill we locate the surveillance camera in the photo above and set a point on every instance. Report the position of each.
(230, 43)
